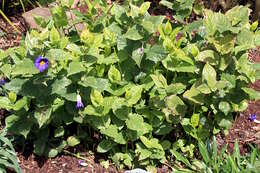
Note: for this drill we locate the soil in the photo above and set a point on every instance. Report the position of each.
(244, 131)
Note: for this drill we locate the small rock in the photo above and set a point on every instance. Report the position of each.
(45, 13)
(136, 171)
(39, 11)
(82, 163)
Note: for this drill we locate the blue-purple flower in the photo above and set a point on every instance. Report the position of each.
(79, 104)
(41, 63)
(252, 117)
(2, 81)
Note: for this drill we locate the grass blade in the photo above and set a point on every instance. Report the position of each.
(204, 152)
(236, 153)
(21, 2)
(179, 157)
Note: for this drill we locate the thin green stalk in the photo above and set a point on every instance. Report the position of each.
(75, 155)
(32, 4)
(39, 5)
(3, 5)
(11, 23)
(21, 2)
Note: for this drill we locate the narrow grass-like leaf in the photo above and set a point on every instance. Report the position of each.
(204, 152)
(181, 158)
(236, 154)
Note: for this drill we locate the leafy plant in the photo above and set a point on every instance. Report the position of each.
(182, 8)
(8, 157)
(139, 89)
(220, 161)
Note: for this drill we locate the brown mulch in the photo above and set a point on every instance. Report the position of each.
(63, 163)
(8, 36)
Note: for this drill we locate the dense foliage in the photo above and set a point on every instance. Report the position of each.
(136, 80)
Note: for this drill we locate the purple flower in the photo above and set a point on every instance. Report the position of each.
(79, 104)
(41, 63)
(2, 81)
(252, 117)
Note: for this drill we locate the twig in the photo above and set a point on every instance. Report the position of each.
(75, 155)
(6, 18)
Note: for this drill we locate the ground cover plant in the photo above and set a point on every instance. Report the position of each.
(7, 154)
(220, 161)
(146, 86)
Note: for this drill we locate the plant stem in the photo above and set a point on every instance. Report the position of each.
(9, 21)
(21, 2)
(75, 155)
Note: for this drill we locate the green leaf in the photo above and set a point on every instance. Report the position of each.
(42, 116)
(59, 15)
(96, 98)
(224, 44)
(12, 96)
(63, 88)
(58, 54)
(176, 105)
(137, 56)
(175, 88)
(99, 84)
(253, 94)
(120, 109)
(6, 69)
(194, 95)
(156, 53)
(195, 118)
(54, 36)
(181, 158)
(108, 104)
(91, 110)
(166, 144)
(15, 84)
(59, 132)
(73, 141)
(176, 65)
(224, 107)
(135, 122)
(74, 48)
(20, 125)
(75, 67)
(209, 75)
(204, 153)
(51, 153)
(144, 7)
(133, 33)
(168, 28)
(159, 80)
(114, 74)
(111, 131)
(22, 103)
(104, 146)
(152, 143)
(26, 67)
(5, 103)
(208, 56)
(216, 22)
(134, 94)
